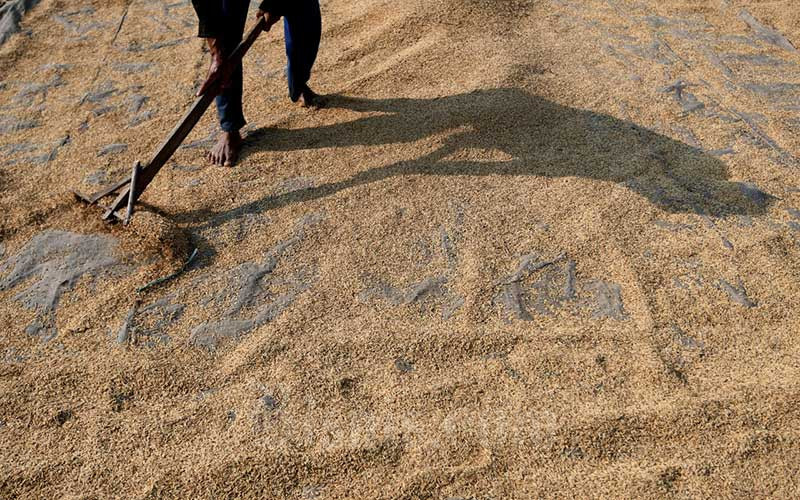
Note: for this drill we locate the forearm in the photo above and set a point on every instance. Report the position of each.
(209, 15)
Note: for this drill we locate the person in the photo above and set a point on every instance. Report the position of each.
(222, 23)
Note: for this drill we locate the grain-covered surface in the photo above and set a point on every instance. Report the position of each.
(531, 248)
(11, 13)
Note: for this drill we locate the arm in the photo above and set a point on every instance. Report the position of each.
(210, 21)
(209, 14)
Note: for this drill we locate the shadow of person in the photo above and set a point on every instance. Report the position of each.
(536, 137)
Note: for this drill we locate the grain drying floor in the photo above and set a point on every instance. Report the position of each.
(531, 248)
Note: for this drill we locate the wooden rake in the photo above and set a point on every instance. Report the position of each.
(132, 187)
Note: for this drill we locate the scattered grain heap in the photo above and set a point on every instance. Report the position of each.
(530, 248)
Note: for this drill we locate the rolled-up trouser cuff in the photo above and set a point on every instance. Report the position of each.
(232, 126)
(229, 108)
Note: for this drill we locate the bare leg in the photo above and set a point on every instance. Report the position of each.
(229, 100)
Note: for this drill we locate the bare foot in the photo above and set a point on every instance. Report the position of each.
(226, 151)
(310, 99)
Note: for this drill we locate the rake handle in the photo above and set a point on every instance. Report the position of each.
(185, 125)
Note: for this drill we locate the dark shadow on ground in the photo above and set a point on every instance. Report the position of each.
(541, 138)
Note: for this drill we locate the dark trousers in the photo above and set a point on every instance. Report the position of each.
(302, 33)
